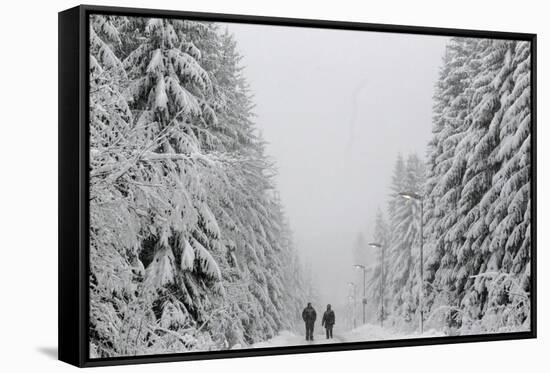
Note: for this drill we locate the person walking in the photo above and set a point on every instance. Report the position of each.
(328, 321)
(309, 316)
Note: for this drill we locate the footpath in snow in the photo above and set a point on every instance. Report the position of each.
(286, 338)
(363, 333)
(371, 332)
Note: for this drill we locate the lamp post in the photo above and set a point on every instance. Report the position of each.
(354, 287)
(382, 248)
(360, 266)
(418, 198)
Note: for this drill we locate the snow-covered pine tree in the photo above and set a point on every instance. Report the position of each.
(404, 219)
(500, 234)
(113, 224)
(444, 171)
(511, 210)
(262, 241)
(169, 92)
(189, 249)
(473, 152)
(377, 286)
(466, 201)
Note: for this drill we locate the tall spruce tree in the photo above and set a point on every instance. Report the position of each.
(404, 222)
(189, 247)
(478, 186)
(378, 286)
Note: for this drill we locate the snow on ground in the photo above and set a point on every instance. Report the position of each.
(370, 332)
(287, 338)
(363, 333)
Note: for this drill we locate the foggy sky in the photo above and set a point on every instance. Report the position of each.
(336, 107)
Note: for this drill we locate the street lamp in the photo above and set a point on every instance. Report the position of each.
(379, 246)
(360, 266)
(352, 284)
(418, 198)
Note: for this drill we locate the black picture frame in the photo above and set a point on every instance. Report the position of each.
(73, 301)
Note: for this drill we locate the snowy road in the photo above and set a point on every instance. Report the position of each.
(286, 338)
(363, 333)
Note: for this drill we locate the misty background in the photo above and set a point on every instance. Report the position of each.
(336, 107)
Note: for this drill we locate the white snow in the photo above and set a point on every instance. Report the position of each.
(370, 332)
(288, 338)
(367, 332)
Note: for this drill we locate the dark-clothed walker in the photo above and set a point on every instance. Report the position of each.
(309, 316)
(328, 321)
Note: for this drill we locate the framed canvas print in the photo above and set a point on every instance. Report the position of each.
(234, 186)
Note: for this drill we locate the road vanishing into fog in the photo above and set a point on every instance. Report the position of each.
(367, 332)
